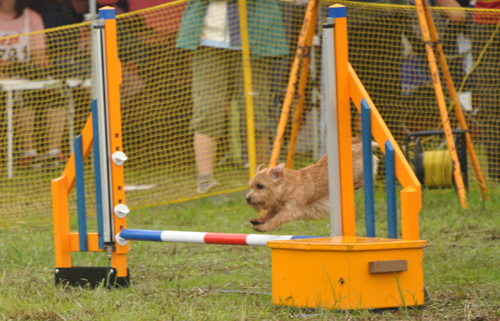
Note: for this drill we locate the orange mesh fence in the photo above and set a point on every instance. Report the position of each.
(183, 106)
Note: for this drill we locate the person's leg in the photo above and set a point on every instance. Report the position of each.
(204, 150)
(209, 97)
(56, 120)
(25, 120)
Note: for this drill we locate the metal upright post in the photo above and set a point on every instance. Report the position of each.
(329, 88)
(104, 180)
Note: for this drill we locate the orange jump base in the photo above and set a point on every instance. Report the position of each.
(347, 273)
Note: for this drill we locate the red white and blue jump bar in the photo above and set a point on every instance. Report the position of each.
(203, 237)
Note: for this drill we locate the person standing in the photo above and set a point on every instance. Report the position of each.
(25, 56)
(211, 29)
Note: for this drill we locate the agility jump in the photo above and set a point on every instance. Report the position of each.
(303, 268)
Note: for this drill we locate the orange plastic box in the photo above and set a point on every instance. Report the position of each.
(347, 273)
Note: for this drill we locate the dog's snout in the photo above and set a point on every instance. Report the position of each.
(249, 199)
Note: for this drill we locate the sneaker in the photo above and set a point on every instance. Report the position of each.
(224, 159)
(205, 185)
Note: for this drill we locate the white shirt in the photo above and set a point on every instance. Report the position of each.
(16, 48)
(216, 26)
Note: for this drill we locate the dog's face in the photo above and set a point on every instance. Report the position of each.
(265, 187)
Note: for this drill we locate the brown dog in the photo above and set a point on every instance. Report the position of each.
(287, 194)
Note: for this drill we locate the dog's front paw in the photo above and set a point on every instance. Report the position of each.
(257, 228)
(255, 221)
(262, 228)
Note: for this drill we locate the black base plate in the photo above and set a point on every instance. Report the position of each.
(91, 276)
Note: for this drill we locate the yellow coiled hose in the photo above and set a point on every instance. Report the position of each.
(438, 169)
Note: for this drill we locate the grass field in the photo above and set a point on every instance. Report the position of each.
(215, 282)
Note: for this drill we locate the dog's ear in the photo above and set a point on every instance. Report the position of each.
(277, 171)
(261, 167)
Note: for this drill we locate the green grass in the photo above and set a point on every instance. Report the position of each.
(190, 282)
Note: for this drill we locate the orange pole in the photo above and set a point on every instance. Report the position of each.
(456, 103)
(411, 204)
(344, 125)
(292, 82)
(114, 80)
(60, 212)
(304, 73)
(459, 183)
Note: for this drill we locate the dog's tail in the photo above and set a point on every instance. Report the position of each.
(375, 145)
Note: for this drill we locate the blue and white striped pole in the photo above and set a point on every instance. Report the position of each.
(202, 237)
